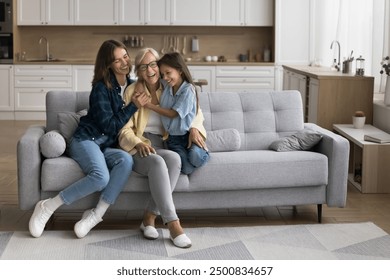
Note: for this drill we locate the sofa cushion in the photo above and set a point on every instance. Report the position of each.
(52, 144)
(259, 169)
(72, 173)
(68, 122)
(223, 140)
(301, 141)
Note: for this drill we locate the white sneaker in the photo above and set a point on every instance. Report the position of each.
(39, 218)
(87, 222)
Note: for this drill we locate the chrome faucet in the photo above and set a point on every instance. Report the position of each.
(338, 61)
(47, 47)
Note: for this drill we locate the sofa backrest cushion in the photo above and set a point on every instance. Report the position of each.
(260, 117)
(64, 101)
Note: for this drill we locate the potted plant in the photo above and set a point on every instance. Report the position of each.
(359, 119)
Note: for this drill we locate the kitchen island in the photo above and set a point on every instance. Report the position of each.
(330, 97)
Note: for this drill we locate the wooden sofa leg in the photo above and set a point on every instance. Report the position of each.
(319, 212)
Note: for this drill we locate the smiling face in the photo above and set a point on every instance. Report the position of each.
(121, 65)
(148, 71)
(172, 76)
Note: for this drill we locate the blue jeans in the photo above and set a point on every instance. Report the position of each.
(106, 171)
(191, 158)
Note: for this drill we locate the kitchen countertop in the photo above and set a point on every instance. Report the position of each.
(322, 72)
(90, 62)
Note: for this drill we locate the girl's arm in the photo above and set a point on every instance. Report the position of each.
(170, 113)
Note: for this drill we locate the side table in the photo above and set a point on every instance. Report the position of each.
(369, 162)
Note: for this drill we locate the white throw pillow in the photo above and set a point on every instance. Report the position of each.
(52, 144)
(223, 140)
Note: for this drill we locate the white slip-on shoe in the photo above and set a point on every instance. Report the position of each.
(150, 232)
(181, 241)
(39, 218)
(87, 222)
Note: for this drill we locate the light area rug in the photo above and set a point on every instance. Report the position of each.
(347, 241)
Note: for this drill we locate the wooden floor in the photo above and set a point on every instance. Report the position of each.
(359, 208)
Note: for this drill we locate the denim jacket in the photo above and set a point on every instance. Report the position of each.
(107, 114)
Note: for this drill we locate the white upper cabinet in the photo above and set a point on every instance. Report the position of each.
(189, 12)
(92, 12)
(157, 12)
(45, 12)
(259, 12)
(144, 12)
(131, 12)
(245, 12)
(293, 26)
(230, 12)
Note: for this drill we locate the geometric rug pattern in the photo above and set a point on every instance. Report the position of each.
(347, 241)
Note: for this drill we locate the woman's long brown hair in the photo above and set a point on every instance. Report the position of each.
(104, 59)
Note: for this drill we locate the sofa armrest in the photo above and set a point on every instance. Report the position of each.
(336, 148)
(29, 162)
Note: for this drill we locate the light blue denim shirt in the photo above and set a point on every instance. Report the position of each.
(184, 103)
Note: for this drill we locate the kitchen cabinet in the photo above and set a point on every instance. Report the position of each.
(144, 12)
(259, 12)
(32, 82)
(333, 97)
(82, 77)
(312, 100)
(88, 12)
(189, 12)
(293, 32)
(45, 12)
(206, 73)
(245, 78)
(244, 12)
(6, 92)
(299, 82)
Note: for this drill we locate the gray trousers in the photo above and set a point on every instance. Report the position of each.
(163, 171)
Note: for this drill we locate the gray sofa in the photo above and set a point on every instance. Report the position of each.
(243, 172)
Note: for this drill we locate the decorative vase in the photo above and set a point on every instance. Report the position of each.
(358, 122)
(387, 91)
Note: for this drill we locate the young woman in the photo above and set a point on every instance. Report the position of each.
(93, 144)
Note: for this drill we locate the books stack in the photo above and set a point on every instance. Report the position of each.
(377, 137)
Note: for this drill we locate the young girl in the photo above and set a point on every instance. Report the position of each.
(178, 107)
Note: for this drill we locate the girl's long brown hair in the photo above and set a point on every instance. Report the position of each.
(104, 59)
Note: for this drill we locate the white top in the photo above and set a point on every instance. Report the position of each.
(154, 124)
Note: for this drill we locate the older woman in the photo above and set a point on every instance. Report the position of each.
(142, 137)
